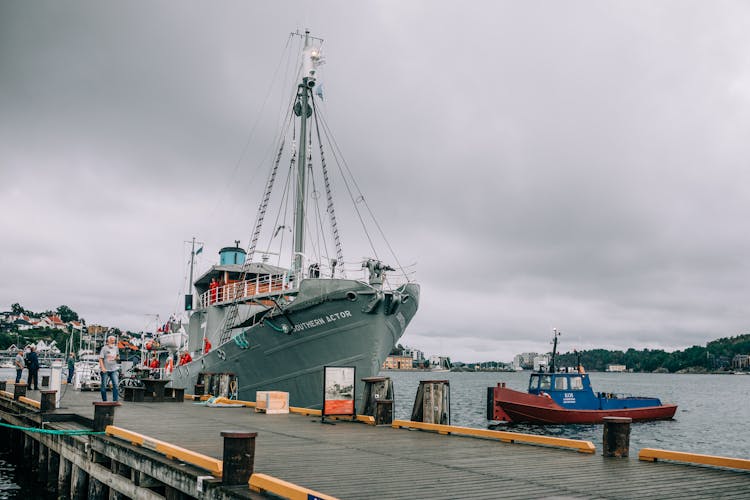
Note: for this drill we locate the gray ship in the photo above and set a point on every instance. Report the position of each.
(276, 328)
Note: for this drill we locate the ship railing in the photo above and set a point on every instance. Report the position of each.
(262, 285)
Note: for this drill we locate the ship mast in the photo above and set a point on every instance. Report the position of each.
(554, 350)
(303, 109)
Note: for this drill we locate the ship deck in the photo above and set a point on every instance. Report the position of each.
(354, 460)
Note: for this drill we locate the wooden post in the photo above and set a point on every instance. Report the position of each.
(63, 478)
(178, 394)
(49, 400)
(239, 457)
(43, 464)
(97, 489)
(79, 483)
(376, 389)
(384, 412)
(104, 414)
(19, 390)
(120, 470)
(28, 448)
(6, 442)
(432, 405)
(616, 439)
(18, 445)
(53, 470)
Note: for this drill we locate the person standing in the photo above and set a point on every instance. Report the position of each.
(213, 288)
(20, 365)
(32, 363)
(108, 358)
(71, 366)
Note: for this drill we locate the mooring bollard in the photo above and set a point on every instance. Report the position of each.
(239, 457)
(49, 400)
(432, 405)
(616, 439)
(104, 414)
(376, 389)
(19, 390)
(384, 412)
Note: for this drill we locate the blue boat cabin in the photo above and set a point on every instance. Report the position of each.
(573, 391)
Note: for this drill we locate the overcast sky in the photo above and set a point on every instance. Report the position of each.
(579, 165)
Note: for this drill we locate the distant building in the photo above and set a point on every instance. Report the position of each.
(524, 360)
(415, 354)
(439, 362)
(741, 362)
(97, 329)
(616, 368)
(398, 363)
(540, 363)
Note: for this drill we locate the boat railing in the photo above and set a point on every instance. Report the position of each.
(262, 285)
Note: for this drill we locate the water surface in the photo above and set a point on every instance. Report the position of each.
(712, 416)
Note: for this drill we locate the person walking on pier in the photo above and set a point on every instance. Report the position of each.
(71, 366)
(108, 358)
(20, 365)
(32, 363)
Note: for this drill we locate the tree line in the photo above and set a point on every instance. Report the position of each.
(716, 355)
(64, 312)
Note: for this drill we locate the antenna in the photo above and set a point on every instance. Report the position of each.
(556, 333)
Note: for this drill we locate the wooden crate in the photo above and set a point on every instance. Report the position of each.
(272, 402)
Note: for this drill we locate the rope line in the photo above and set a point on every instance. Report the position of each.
(63, 432)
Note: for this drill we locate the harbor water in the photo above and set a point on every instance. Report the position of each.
(711, 418)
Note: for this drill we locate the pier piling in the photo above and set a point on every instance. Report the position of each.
(79, 483)
(432, 404)
(104, 414)
(53, 470)
(239, 457)
(63, 478)
(19, 390)
(42, 464)
(378, 399)
(616, 439)
(48, 401)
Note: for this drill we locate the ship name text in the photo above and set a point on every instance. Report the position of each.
(323, 320)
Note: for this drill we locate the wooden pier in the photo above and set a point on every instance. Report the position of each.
(347, 460)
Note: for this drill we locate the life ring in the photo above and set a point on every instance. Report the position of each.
(545, 395)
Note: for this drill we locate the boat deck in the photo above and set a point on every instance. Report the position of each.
(353, 460)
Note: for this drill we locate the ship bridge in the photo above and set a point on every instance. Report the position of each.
(223, 284)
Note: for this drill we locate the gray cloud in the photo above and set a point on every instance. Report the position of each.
(579, 165)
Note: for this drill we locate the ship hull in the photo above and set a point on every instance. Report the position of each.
(520, 407)
(334, 323)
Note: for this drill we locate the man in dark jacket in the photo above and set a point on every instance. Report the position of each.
(32, 363)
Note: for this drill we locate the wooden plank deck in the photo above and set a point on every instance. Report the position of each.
(352, 460)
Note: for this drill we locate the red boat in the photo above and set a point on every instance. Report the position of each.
(567, 398)
(509, 405)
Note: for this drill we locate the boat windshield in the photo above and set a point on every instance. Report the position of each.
(576, 384)
(561, 383)
(545, 382)
(533, 382)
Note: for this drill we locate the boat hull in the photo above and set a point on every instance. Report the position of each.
(335, 326)
(520, 407)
